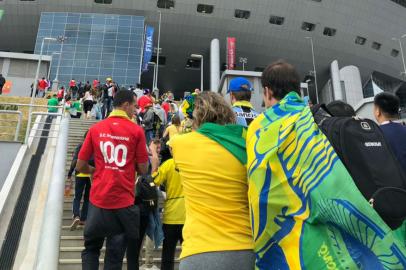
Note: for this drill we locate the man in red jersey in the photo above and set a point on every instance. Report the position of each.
(145, 99)
(96, 83)
(41, 87)
(119, 149)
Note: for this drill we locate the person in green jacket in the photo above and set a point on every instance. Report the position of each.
(53, 102)
(76, 108)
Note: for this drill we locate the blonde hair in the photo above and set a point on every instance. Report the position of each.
(210, 107)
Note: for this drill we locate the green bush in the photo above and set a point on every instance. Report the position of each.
(9, 107)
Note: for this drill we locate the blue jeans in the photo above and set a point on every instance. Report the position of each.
(81, 184)
(98, 111)
(149, 135)
(107, 103)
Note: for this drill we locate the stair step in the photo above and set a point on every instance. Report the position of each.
(76, 243)
(75, 252)
(76, 264)
(72, 241)
(67, 232)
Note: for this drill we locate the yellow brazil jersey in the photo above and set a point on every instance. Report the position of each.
(174, 208)
(215, 188)
(173, 130)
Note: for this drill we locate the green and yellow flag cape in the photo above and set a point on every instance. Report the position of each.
(231, 137)
(306, 211)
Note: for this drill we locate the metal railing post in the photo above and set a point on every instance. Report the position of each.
(27, 132)
(20, 116)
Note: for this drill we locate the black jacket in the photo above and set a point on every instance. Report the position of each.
(75, 159)
(2, 81)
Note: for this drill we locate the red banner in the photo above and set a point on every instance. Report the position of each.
(231, 52)
(7, 87)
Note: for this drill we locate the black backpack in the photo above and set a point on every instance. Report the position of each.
(146, 192)
(361, 146)
(157, 123)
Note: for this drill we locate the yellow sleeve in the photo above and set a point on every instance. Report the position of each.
(185, 106)
(161, 175)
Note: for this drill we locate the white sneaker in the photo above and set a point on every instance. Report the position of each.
(145, 267)
(75, 223)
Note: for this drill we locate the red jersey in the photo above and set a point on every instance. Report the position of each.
(42, 84)
(95, 84)
(60, 93)
(166, 107)
(72, 83)
(143, 101)
(116, 144)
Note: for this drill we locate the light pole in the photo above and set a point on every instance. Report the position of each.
(158, 51)
(50, 64)
(199, 56)
(314, 69)
(61, 39)
(35, 86)
(401, 53)
(244, 61)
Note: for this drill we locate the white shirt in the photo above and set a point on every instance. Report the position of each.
(88, 96)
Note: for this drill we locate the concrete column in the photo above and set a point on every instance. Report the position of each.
(214, 65)
(336, 81)
(6, 67)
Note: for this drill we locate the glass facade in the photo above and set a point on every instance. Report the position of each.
(97, 46)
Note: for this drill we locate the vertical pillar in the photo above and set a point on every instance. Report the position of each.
(336, 81)
(214, 65)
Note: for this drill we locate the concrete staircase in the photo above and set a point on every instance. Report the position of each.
(71, 242)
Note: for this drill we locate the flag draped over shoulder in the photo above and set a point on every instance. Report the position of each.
(231, 137)
(306, 211)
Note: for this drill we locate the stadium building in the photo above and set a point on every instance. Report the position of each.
(358, 33)
(343, 49)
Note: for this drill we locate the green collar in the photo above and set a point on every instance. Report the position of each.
(231, 137)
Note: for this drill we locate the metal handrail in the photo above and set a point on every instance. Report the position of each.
(47, 113)
(20, 117)
(28, 105)
(48, 245)
(38, 129)
(27, 135)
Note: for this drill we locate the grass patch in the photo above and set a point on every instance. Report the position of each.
(8, 122)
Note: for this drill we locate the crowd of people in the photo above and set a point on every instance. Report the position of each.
(82, 100)
(241, 189)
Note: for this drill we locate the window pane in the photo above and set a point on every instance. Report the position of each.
(206, 9)
(242, 14)
(329, 31)
(376, 46)
(94, 56)
(360, 40)
(81, 55)
(308, 26)
(276, 20)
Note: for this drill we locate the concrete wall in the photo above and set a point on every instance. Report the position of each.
(20, 69)
(365, 108)
(326, 93)
(345, 84)
(253, 77)
(9, 151)
(351, 77)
